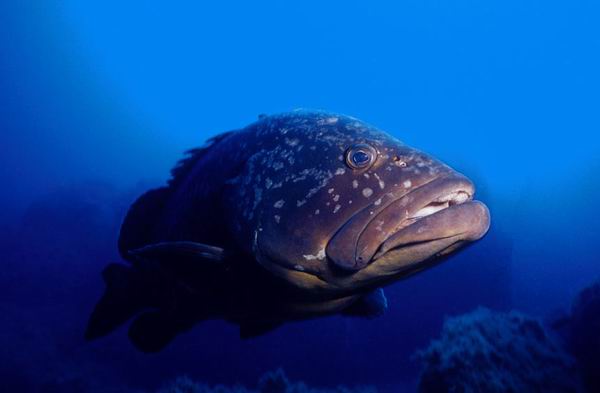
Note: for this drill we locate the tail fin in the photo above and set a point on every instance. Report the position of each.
(121, 301)
(152, 331)
(159, 307)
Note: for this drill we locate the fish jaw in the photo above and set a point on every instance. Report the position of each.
(413, 248)
(442, 209)
(468, 221)
(435, 235)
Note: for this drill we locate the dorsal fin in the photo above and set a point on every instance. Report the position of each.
(185, 165)
(138, 226)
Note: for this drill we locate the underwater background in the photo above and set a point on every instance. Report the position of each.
(99, 100)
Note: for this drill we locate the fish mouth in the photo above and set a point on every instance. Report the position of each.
(438, 233)
(433, 219)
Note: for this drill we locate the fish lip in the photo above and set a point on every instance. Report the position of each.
(472, 220)
(344, 258)
(409, 210)
(355, 231)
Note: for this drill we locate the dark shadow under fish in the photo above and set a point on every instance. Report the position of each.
(295, 216)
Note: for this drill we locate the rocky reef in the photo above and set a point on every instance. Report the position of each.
(271, 382)
(487, 351)
(581, 330)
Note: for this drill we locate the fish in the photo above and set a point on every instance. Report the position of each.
(297, 215)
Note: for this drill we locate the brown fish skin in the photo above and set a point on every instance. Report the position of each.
(297, 215)
(313, 220)
(285, 192)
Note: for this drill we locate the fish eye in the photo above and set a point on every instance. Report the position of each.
(360, 156)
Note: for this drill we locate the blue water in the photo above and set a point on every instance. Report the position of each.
(97, 102)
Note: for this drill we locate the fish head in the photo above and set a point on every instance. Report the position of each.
(356, 207)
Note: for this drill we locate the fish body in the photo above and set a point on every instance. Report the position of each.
(298, 214)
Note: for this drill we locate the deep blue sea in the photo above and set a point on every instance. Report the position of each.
(98, 101)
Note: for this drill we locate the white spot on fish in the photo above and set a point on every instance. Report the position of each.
(366, 175)
(277, 218)
(292, 142)
(340, 171)
(320, 256)
(257, 197)
(279, 204)
(377, 202)
(407, 184)
(381, 183)
(354, 183)
(317, 212)
(268, 183)
(367, 192)
(337, 207)
(311, 192)
(336, 198)
(300, 268)
(330, 191)
(255, 241)
(300, 203)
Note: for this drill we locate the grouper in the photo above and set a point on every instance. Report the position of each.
(297, 215)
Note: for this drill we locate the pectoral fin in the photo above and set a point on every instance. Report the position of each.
(185, 259)
(182, 249)
(371, 305)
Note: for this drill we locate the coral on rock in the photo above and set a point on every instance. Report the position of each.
(271, 382)
(583, 335)
(486, 351)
